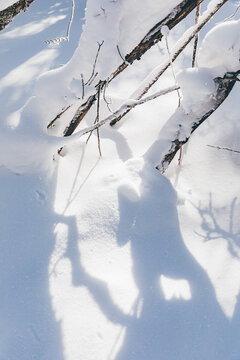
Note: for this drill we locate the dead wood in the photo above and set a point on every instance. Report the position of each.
(7, 15)
(224, 86)
(151, 38)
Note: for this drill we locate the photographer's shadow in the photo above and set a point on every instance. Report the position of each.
(190, 326)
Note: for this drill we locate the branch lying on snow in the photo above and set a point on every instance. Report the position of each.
(51, 124)
(79, 115)
(154, 35)
(130, 104)
(223, 148)
(223, 88)
(150, 39)
(7, 15)
(151, 79)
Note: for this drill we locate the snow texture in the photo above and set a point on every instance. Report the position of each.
(104, 257)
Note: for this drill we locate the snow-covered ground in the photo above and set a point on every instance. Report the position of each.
(104, 257)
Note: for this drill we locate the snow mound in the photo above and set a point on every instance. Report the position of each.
(197, 86)
(220, 48)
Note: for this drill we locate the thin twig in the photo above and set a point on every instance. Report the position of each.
(196, 36)
(172, 68)
(94, 77)
(96, 121)
(224, 148)
(120, 53)
(83, 87)
(232, 16)
(94, 64)
(180, 155)
(51, 124)
(104, 96)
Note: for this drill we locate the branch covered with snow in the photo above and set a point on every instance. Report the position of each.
(182, 125)
(189, 34)
(130, 104)
(155, 34)
(187, 37)
(151, 38)
(7, 14)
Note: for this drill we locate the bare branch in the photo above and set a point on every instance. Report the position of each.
(79, 115)
(154, 35)
(83, 86)
(223, 88)
(128, 104)
(152, 78)
(96, 121)
(196, 36)
(52, 123)
(172, 68)
(232, 16)
(7, 15)
(151, 38)
(224, 148)
(94, 64)
(120, 53)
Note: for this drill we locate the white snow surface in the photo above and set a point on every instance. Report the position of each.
(6, 3)
(224, 42)
(104, 257)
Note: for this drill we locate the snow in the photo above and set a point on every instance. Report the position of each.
(104, 257)
(225, 46)
(6, 3)
(197, 86)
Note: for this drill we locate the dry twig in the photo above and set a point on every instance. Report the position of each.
(93, 75)
(196, 36)
(224, 148)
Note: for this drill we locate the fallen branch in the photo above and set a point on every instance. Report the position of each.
(7, 15)
(224, 148)
(152, 78)
(224, 86)
(94, 64)
(128, 104)
(79, 115)
(95, 122)
(52, 123)
(154, 35)
(151, 38)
